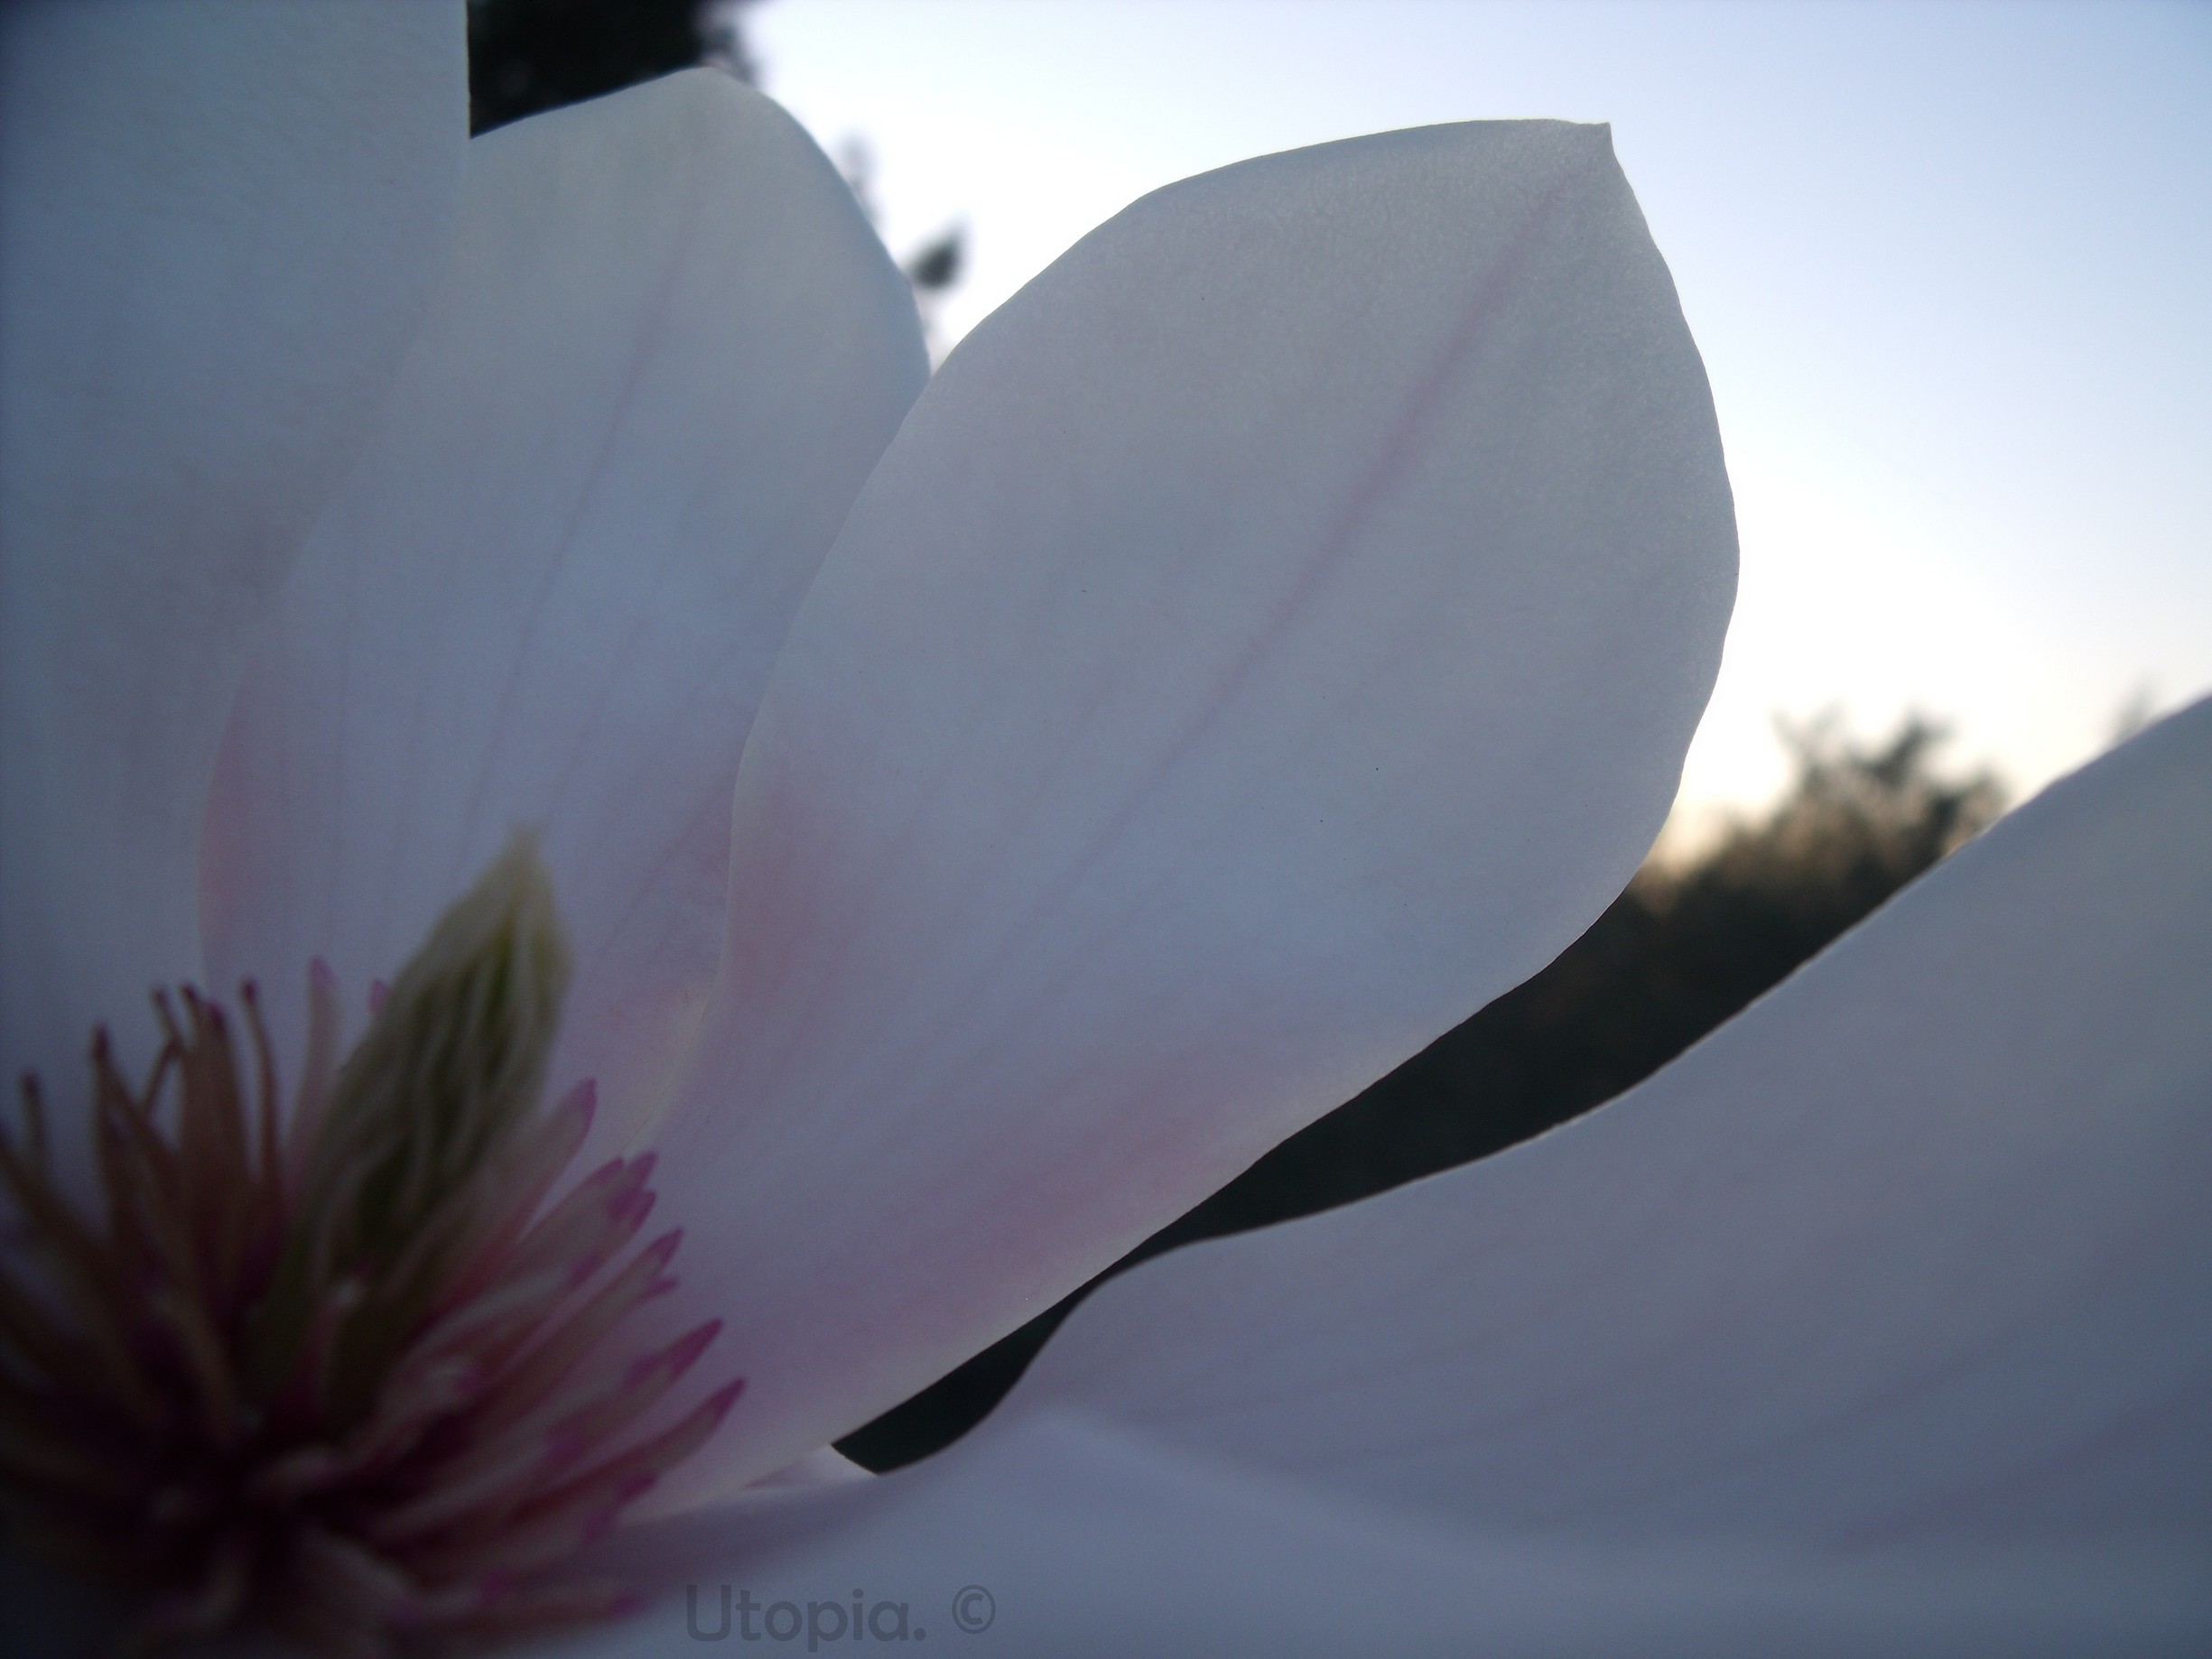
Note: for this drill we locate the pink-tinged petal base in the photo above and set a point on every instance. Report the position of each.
(1271, 636)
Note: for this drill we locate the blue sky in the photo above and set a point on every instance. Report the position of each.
(1948, 264)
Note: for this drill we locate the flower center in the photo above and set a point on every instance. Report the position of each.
(340, 1371)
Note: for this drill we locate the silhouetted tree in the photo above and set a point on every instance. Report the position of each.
(1677, 953)
(526, 56)
(936, 264)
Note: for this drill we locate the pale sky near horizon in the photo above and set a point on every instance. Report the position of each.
(1947, 263)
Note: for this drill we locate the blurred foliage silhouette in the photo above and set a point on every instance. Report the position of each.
(1682, 949)
(936, 264)
(526, 56)
(529, 55)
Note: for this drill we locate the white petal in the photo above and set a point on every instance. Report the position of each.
(1914, 1253)
(1272, 635)
(668, 354)
(1071, 1541)
(218, 224)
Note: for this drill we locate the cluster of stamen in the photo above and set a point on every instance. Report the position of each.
(341, 1371)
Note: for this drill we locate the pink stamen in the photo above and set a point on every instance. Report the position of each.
(150, 1415)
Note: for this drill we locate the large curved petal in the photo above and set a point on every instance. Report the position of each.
(1273, 635)
(669, 351)
(1914, 1255)
(219, 225)
(1065, 1538)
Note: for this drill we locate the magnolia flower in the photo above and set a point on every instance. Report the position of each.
(950, 834)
